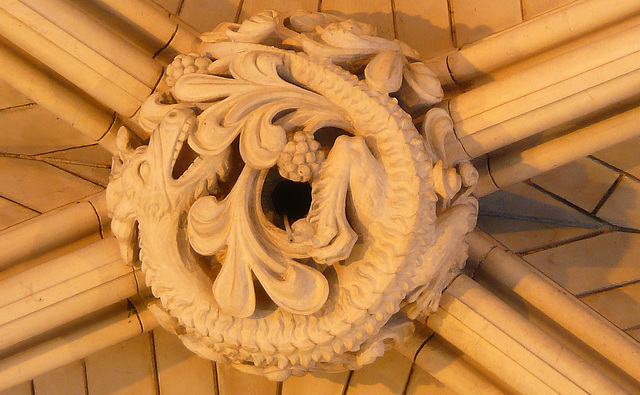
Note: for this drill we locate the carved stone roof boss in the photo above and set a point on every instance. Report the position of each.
(294, 208)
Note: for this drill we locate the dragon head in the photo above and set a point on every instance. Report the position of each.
(165, 176)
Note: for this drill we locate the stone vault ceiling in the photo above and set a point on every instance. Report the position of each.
(578, 224)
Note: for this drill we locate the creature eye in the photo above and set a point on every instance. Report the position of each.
(144, 170)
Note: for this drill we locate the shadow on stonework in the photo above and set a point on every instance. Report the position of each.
(577, 250)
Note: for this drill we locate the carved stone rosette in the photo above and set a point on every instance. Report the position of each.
(286, 210)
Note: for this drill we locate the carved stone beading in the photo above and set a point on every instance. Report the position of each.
(322, 107)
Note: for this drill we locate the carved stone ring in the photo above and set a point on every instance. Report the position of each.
(286, 211)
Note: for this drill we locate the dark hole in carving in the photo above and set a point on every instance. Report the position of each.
(185, 158)
(282, 114)
(235, 168)
(287, 23)
(281, 196)
(327, 136)
(264, 304)
(292, 199)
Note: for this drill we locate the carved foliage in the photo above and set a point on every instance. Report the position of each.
(388, 212)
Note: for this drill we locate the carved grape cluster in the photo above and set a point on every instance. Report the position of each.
(186, 64)
(300, 157)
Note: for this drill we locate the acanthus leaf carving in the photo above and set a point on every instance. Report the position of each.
(232, 223)
(318, 109)
(384, 72)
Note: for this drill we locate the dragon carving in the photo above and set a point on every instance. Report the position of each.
(305, 99)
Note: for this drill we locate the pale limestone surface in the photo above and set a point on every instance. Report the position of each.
(124, 369)
(623, 156)
(620, 157)
(11, 97)
(424, 25)
(376, 13)
(91, 162)
(421, 382)
(46, 187)
(206, 15)
(12, 213)
(476, 19)
(622, 208)
(67, 380)
(611, 260)
(635, 333)
(24, 133)
(618, 305)
(387, 377)
(376, 185)
(582, 182)
(252, 7)
(22, 389)
(525, 235)
(316, 384)
(172, 6)
(523, 201)
(537, 7)
(233, 381)
(180, 371)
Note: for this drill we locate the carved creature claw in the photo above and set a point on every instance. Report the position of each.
(448, 251)
(350, 167)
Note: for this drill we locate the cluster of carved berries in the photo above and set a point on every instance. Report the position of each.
(300, 157)
(186, 64)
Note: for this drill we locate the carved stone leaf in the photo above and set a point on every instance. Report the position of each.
(305, 21)
(349, 58)
(251, 115)
(408, 51)
(205, 88)
(219, 33)
(255, 29)
(233, 288)
(208, 225)
(352, 34)
(261, 141)
(249, 104)
(234, 223)
(422, 85)
(437, 129)
(259, 67)
(348, 44)
(384, 72)
(209, 230)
